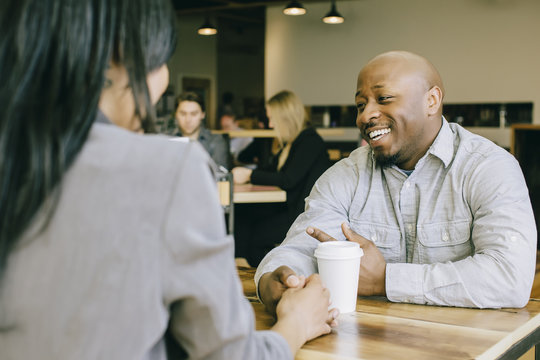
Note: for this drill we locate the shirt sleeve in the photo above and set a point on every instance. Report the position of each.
(209, 316)
(501, 271)
(327, 207)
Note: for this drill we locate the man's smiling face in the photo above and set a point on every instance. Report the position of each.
(393, 98)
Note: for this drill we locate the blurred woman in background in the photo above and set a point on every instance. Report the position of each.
(102, 246)
(300, 159)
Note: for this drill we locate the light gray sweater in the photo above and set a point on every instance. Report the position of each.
(137, 240)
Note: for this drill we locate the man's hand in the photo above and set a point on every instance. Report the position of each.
(372, 278)
(273, 285)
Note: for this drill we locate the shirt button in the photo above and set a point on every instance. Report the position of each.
(407, 184)
(513, 238)
(445, 237)
(374, 237)
(409, 227)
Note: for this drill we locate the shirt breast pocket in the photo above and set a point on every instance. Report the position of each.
(442, 242)
(386, 238)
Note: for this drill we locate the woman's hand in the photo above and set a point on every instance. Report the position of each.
(241, 175)
(303, 313)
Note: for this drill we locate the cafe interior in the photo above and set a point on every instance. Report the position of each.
(130, 259)
(485, 50)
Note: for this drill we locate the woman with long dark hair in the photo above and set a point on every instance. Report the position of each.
(103, 248)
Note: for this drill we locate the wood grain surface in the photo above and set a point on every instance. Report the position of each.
(380, 329)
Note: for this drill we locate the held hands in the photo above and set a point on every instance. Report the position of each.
(241, 175)
(372, 278)
(273, 285)
(302, 312)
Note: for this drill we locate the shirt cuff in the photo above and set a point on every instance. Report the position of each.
(405, 283)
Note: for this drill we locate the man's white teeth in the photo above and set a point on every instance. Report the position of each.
(377, 134)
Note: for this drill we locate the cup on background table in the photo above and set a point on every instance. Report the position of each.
(339, 267)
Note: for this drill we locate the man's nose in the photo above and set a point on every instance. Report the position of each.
(370, 112)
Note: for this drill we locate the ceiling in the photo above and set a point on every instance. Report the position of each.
(205, 6)
(237, 12)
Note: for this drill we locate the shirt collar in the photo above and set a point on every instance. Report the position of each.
(443, 146)
(101, 118)
(204, 133)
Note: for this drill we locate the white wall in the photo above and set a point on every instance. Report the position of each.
(485, 50)
(195, 56)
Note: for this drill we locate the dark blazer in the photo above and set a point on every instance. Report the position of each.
(307, 160)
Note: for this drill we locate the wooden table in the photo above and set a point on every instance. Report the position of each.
(271, 133)
(380, 329)
(249, 193)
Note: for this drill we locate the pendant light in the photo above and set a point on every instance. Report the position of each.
(294, 8)
(207, 28)
(333, 17)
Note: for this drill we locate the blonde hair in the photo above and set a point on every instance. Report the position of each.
(289, 118)
(287, 114)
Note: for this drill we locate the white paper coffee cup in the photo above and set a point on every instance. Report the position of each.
(339, 267)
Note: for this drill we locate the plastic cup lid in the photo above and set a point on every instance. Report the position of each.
(338, 250)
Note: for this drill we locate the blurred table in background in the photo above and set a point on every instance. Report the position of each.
(249, 193)
(270, 133)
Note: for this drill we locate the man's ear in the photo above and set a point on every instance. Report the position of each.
(435, 97)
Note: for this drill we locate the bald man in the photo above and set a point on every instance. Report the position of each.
(443, 215)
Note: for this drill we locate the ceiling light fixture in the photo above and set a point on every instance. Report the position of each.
(333, 17)
(294, 8)
(207, 28)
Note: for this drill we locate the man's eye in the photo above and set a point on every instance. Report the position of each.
(360, 106)
(384, 98)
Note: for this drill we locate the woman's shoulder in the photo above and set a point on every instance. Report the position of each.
(309, 134)
(117, 149)
(309, 131)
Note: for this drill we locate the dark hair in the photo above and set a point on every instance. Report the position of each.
(228, 113)
(53, 56)
(227, 97)
(190, 96)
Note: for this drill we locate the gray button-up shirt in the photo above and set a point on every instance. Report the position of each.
(458, 231)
